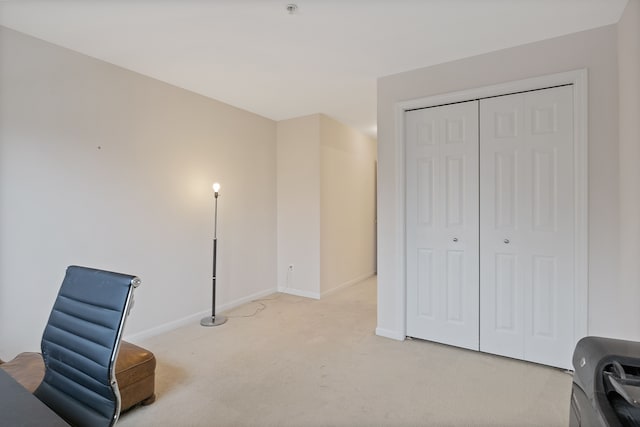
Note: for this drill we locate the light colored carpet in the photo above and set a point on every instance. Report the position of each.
(302, 362)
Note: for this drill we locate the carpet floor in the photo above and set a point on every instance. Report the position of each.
(292, 361)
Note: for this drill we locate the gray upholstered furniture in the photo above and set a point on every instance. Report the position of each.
(80, 345)
(606, 383)
(135, 372)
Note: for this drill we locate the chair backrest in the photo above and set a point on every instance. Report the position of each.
(80, 345)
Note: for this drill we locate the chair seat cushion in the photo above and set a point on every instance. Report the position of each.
(135, 372)
(27, 369)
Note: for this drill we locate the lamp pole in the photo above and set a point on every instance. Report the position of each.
(214, 320)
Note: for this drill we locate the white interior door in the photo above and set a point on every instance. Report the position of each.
(527, 226)
(441, 154)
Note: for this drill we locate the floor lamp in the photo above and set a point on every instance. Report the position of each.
(214, 320)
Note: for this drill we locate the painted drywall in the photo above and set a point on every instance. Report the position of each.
(595, 50)
(347, 204)
(298, 181)
(629, 108)
(103, 167)
(326, 205)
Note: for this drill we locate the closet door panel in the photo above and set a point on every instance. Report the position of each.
(501, 207)
(441, 152)
(549, 307)
(527, 216)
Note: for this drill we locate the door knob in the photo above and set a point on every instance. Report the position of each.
(455, 239)
(506, 240)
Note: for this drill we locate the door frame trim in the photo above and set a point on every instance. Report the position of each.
(579, 80)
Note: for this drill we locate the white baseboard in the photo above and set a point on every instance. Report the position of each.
(194, 318)
(244, 300)
(165, 327)
(348, 283)
(387, 333)
(317, 295)
(299, 293)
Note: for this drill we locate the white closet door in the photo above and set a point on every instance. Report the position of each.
(442, 224)
(527, 226)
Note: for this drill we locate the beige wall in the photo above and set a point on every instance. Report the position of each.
(298, 180)
(107, 168)
(326, 192)
(347, 230)
(595, 50)
(103, 167)
(629, 107)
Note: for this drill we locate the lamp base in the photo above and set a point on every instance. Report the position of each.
(213, 321)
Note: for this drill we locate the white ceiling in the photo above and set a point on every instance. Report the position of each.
(323, 59)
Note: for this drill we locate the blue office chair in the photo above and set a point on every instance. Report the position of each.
(80, 345)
